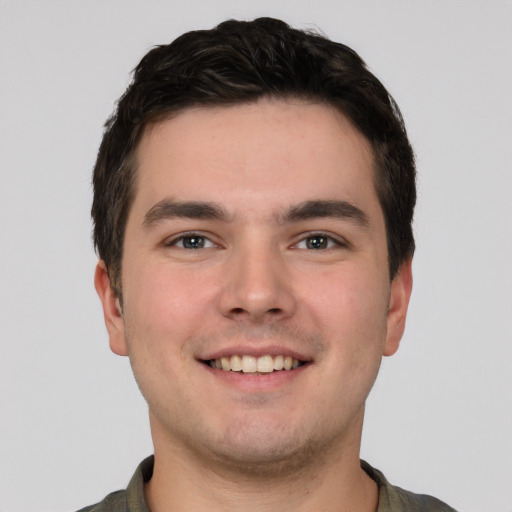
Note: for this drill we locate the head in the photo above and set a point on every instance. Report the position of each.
(240, 63)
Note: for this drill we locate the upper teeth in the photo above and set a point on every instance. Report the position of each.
(251, 364)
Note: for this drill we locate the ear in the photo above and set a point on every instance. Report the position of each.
(112, 312)
(401, 288)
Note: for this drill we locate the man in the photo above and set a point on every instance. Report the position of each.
(253, 201)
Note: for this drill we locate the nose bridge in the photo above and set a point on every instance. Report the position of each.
(256, 284)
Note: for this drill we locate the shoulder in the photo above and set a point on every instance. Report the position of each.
(130, 500)
(396, 499)
(400, 499)
(114, 502)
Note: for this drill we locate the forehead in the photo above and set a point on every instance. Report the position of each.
(266, 154)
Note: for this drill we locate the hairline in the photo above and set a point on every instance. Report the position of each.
(132, 164)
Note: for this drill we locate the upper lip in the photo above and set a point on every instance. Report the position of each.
(259, 351)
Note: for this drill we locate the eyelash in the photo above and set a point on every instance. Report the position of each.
(175, 241)
(331, 241)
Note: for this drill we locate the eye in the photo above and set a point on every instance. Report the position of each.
(191, 241)
(317, 241)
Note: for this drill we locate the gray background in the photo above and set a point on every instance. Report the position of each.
(73, 423)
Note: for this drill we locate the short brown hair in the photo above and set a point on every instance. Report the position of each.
(241, 62)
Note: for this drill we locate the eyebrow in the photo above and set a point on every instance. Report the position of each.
(326, 209)
(169, 209)
(308, 210)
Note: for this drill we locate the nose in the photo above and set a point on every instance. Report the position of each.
(257, 287)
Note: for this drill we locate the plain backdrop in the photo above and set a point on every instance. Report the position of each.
(439, 421)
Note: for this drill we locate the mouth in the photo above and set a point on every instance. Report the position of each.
(255, 365)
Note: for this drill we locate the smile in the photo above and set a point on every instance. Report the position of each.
(251, 364)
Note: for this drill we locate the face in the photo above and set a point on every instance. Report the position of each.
(255, 241)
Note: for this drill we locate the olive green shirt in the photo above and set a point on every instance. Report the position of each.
(391, 498)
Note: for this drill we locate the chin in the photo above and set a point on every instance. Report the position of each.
(260, 450)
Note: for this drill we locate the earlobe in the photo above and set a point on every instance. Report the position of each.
(112, 312)
(401, 288)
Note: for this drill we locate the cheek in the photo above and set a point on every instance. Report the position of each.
(165, 305)
(352, 314)
(354, 301)
(162, 312)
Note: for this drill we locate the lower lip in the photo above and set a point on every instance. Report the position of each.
(252, 382)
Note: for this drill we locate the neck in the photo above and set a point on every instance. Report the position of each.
(333, 482)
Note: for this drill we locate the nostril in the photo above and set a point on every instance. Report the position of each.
(240, 313)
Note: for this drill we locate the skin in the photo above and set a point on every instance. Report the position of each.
(257, 286)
